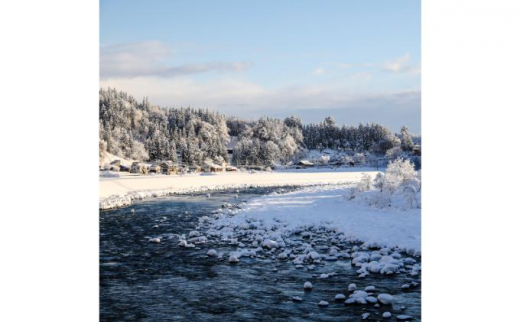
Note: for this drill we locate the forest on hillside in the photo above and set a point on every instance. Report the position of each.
(140, 131)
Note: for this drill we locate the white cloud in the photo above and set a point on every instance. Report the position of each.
(318, 71)
(402, 64)
(234, 95)
(149, 59)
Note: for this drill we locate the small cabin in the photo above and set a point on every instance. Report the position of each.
(155, 168)
(212, 167)
(168, 167)
(115, 165)
(116, 162)
(124, 168)
(138, 168)
(231, 169)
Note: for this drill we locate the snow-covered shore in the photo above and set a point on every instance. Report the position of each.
(328, 207)
(120, 191)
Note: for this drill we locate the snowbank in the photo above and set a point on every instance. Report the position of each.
(329, 207)
(117, 192)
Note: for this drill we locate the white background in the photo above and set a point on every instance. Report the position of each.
(49, 154)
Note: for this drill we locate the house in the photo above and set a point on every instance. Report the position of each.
(209, 166)
(194, 169)
(305, 163)
(116, 162)
(231, 169)
(155, 168)
(168, 167)
(124, 168)
(115, 165)
(138, 168)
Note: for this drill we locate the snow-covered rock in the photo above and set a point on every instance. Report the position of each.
(385, 299)
(371, 299)
(212, 253)
(155, 240)
(403, 317)
(194, 234)
(339, 297)
(387, 315)
(370, 289)
(323, 303)
(350, 301)
(307, 286)
(269, 244)
(352, 287)
(233, 258)
(313, 255)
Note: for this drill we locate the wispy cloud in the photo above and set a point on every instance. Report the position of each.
(319, 71)
(150, 59)
(249, 99)
(401, 64)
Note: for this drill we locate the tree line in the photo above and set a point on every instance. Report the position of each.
(138, 130)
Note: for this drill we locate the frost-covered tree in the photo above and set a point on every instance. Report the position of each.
(268, 141)
(406, 139)
(141, 131)
(398, 172)
(359, 158)
(379, 182)
(394, 153)
(365, 184)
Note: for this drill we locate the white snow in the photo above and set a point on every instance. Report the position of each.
(328, 206)
(120, 191)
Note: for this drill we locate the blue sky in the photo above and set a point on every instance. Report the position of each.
(358, 61)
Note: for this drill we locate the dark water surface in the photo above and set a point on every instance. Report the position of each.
(143, 281)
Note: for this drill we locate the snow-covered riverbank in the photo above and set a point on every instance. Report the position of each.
(328, 207)
(120, 191)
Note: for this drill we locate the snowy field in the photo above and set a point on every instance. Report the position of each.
(329, 207)
(120, 191)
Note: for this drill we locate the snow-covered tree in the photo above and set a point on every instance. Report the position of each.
(406, 139)
(398, 172)
(394, 153)
(379, 182)
(365, 183)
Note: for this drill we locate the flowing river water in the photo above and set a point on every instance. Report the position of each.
(143, 281)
